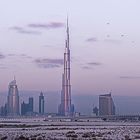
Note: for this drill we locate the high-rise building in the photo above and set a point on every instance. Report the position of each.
(66, 108)
(24, 108)
(3, 110)
(27, 108)
(41, 104)
(31, 104)
(106, 105)
(13, 99)
(95, 111)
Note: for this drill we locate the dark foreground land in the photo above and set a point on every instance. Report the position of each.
(38, 129)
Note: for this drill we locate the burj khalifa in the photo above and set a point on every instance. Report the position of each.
(66, 108)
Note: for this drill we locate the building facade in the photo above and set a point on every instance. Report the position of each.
(27, 108)
(66, 108)
(24, 108)
(31, 104)
(13, 99)
(41, 104)
(3, 110)
(106, 105)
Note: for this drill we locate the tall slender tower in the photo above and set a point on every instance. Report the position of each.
(66, 108)
(41, 104)
(13, 99)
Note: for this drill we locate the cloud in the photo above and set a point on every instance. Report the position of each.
(28, 30)
(86, 67)
(25, 56)
(2, 56)
(92, 39)
(2, 66)
(49, 63)
(11, 54)
(94, 63)
(51, 25)
(113, 41)
(24, 31)
(48, 46)
(130, 77)
(17, 28)
(90, 65)
(19, 55)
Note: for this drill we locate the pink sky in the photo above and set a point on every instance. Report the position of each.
(104, 38)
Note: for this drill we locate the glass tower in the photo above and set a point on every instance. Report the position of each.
(13, 99)
(41, 103)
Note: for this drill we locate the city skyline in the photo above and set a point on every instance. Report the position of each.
(104, 37)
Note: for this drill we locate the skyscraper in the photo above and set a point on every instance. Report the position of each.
(31, 104)
(66, 108)
(24, 108)
(13, 99)
(41, 104)
(3, 110)
(106, 105)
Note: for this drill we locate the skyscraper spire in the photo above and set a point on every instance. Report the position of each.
(67, 32)
(14, 78)
(65, 108)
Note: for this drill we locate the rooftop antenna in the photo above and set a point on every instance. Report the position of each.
(14, 78)
(67, 31)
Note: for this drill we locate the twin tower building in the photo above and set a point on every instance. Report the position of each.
(66, 108)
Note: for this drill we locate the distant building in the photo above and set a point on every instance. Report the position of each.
(3, 110)
(31, 104)
(13, 99)
(95, 111)
(106, 105)
(27, 108)
(24, 108)
(41, 103)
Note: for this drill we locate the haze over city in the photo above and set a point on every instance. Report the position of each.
(104, 43)
(69, 69)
